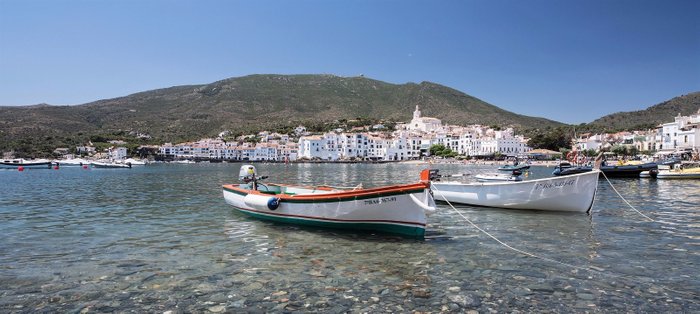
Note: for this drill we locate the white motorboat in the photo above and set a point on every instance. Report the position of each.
(572, 193)
(399, 209)
(134, 162)
(101, 164)
(679, 171)
(497, 177)
(76, 162)
(19, 162)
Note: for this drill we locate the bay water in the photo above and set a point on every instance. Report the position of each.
(160, 238)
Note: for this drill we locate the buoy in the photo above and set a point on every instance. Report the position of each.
(85, 166)
(55, 167)
(20, 168)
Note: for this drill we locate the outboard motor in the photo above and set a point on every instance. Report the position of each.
(249, 175)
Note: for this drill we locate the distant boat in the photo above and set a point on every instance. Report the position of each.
(617, 171)
(399, 209)
(77, 162)
(98, 164)
(680, 171)
(16, 163)
(565, 168)
(514, 167)
(573, 193)
(134, 162)
(515, 176)
(186, 161)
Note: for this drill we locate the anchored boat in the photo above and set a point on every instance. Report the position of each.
(399, 209)
(679, 171)
(99, 164)
(16, 163)
(572, 193)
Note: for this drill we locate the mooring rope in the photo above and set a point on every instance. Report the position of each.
(620, 195)
(590, 269)
(432, 186)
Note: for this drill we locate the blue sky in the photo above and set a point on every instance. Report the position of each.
(571, 61)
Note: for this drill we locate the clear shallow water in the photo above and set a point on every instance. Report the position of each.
(160, 238)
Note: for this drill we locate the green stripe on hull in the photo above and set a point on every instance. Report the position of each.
(410, 231)
(339, 199)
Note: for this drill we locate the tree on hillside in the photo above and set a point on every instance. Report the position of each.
(552, 139)
(442, 151)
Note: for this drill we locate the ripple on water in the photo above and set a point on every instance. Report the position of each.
(161, 238)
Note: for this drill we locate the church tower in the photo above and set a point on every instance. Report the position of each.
(416, 114)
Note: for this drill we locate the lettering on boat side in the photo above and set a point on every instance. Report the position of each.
(558, 184)
(380, 200)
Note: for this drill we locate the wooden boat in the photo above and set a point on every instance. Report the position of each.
(16, 163)
(572, 193)
(399, 209)
(679, 171)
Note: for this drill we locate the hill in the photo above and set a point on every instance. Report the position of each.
(246, 104)
(651, 117)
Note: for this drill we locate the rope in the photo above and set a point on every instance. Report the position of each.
(589, 269)
(620, 195)
(432, 186)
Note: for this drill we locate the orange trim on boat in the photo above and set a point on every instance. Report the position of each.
(341, 194)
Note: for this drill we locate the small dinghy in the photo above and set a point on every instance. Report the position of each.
(399, 209)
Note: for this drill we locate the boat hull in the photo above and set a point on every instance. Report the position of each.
(26, 165)
(396, 209)
(625, 171)
(677, 175)
(512, 168)
(110, 165)
(573, 193)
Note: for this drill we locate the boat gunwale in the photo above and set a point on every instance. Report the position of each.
(340, 195)
(596, 171)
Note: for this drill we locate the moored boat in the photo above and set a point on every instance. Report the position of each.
(76, 162)
(679, 171)
(514, 167)
(99, 164)
(617, 171)
(399, 209)
(16, 163)
(572, 193)
(627, 170)
(515, 176)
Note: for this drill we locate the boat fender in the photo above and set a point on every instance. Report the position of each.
(261, 202)
(273, 203)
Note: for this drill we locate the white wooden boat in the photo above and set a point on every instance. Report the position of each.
(399, 209)
(572, 193)
(24, 163)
